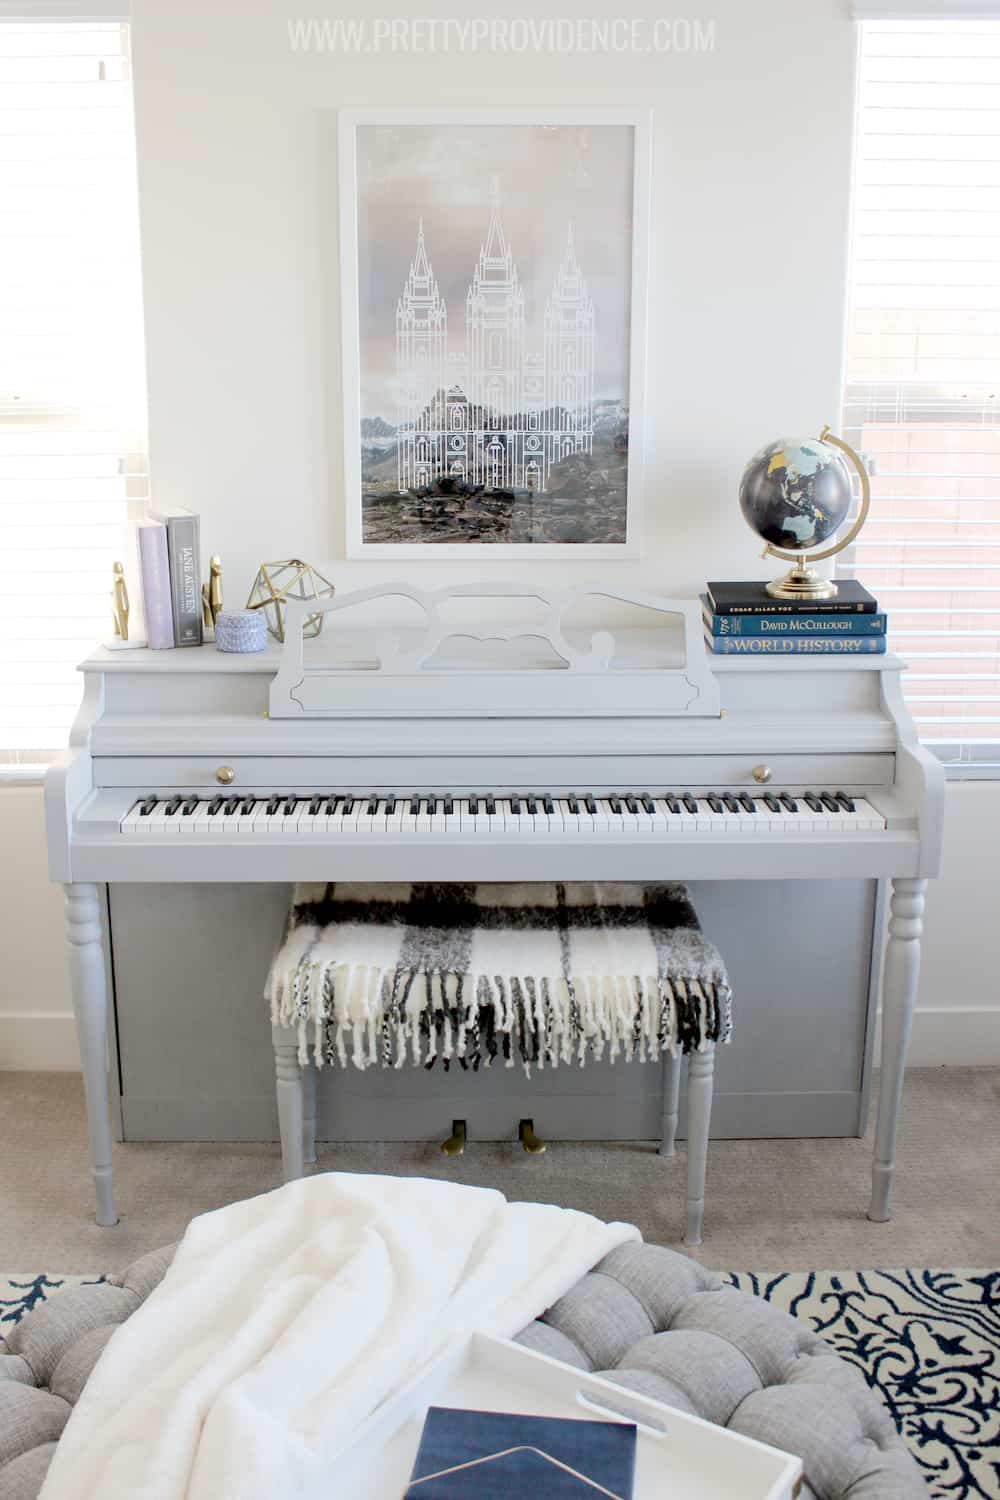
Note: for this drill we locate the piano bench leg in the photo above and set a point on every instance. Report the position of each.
(899, 994)
(309, 1115)
(89, 985)
(288, 1074)
(671, 1091)
(701, 1072)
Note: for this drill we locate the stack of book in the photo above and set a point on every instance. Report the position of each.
(742, 619)
(170, 572)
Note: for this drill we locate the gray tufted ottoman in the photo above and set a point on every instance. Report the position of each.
(647, 1318)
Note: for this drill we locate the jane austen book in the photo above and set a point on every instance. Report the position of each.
(184, 551)
(500, 1456)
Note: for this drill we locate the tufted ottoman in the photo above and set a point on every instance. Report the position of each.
(646, 1317)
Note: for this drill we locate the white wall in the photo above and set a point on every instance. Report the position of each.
(237, 152)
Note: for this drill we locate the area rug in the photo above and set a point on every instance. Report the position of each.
(928, 1341)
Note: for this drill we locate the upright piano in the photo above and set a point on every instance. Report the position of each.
(491, 732)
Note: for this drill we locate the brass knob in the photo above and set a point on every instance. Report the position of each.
(225, 775)
(762, 775)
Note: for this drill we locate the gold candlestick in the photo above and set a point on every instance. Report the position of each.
(211, 593)
(119, 603)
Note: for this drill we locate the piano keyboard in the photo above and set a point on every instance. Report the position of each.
(517, 815)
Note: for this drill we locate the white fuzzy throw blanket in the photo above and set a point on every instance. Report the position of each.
(284, 1321)
(541, 973)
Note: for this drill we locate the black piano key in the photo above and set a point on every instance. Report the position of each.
(515, 806)
(431, 804)
(272, 807)
(372, 807)
(548, 807)
(414, 807)
(449, 807)
(830, 803)
(846, 802)
(172, 806)
(690, 803)
(147, 806)
(291, 803)
(348, 806)
(531, 806)
(632, 803)
(573, 805)
(331, 806)
(615, 804)
(213, 806)
(491, 807)
(714, 802)
(672, 803)
(731, 802)
(788, 803)
(390, 806)
(813, 801)
(314, 806)
(230, 806)
(474, 806)
(771, 802)
(747, 803)
(246, 806)
(648, 802)
(590, 805)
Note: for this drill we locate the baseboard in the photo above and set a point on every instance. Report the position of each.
(38, 1042)
(957, 1036)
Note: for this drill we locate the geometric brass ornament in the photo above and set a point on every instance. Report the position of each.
(277, 582)
(802, 582)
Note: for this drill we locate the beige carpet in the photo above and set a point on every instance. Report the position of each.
(787, 1205)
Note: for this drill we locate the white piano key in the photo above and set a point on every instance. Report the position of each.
(133, 820)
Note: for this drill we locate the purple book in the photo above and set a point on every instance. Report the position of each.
(154, 568)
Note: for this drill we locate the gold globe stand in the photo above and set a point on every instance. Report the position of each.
(802, 581)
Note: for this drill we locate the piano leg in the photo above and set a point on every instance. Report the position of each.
(671, 1089)
(88, 982)
(290, 1113)
(899, 993)
(309, 1115)
(701, 1072)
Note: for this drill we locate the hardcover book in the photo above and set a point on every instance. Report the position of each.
(184, 551)
(507, 1457)
(792, 624)
(796, 645)
(753, 599)
(154, 572)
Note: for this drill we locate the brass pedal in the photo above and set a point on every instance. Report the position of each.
(455, 1144)
(529, 1140)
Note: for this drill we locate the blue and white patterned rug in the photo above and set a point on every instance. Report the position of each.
(928, 1341)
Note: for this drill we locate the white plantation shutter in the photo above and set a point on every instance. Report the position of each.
(922, 399)
(72, 401)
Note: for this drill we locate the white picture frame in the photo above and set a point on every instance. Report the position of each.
(360, 546)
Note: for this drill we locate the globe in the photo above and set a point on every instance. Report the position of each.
(795, 493)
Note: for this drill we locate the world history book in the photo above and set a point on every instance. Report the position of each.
(796, 645)
(503, 1456)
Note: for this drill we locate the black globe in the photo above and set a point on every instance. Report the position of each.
(795, 493)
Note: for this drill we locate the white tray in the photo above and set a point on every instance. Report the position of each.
(677, 1455)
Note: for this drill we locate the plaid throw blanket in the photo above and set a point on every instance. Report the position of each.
(541, 974)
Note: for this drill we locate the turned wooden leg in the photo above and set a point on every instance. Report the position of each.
(289, 1088)
(88, 983)
(671, 1090)
(899, 993)
(309, 1114)
(701, 1070)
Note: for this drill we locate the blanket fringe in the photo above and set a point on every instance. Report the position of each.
(362, 1016)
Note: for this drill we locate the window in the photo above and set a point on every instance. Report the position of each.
(72, 400)
(922, 398)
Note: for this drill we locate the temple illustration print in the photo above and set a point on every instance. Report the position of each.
(494, 268)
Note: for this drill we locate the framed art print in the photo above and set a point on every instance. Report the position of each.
(493, 300)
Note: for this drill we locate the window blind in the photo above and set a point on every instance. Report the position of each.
(922, 397)
(72, 400)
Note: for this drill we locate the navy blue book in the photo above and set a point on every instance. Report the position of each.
(486, 1455)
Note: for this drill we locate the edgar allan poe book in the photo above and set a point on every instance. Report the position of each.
(484, 1455)
(753, 599)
